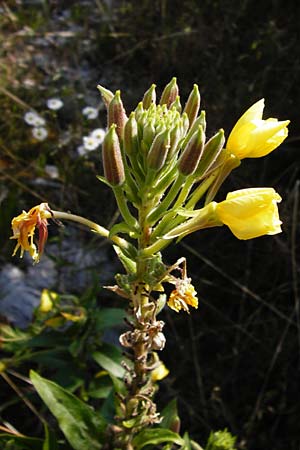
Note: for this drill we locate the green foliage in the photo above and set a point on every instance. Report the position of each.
(82, 427)
(220, 440)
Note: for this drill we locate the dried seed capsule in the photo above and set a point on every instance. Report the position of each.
(149, 97)
(112, 158)
(189, 160)
(106, 95)
(117, 114)
(192, 105)
(170, 93)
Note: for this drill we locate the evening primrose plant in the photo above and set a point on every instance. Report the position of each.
(165, 173)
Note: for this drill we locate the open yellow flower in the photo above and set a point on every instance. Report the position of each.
(250, 213)
(23, 227)
(253, 137)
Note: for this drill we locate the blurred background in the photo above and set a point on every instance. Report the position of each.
(236, 361)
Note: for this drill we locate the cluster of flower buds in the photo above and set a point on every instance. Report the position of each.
(160, 159)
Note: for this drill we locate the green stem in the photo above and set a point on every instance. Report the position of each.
(200, 191)
(122, 243)
(122, 204)
(156, 247)
(168, 217)
(164, 205)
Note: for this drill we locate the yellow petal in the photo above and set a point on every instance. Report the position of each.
(253, 137)
(251, 213)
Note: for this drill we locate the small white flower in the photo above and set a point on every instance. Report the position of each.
(90, 113)
(90, 143)
(51, 170)
(39, 133)
(99, 134)
(55, 103)
(32, 118)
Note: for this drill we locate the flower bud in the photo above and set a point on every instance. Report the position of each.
(211, 151)
(191, 155)
(117, 114)
(149, 97)
(176, 104)
(106, 95)
(192, 105)
(112, 158)
(149, 132)
(159, 150)
(175, 136)
(170, 93)
(131, 136)
(139, 111)
(200, 121)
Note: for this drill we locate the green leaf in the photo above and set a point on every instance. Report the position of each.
(22, 442)
(129, 264)
(156, 436)
(110, 358)
(82, 427)
(103, 180)
(50, 442)
(170, 416)
(121, 227)
(109, 317)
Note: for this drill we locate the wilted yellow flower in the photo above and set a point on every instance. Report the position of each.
(250, 213)
(24, 227)
(183, 296)
(253, 137)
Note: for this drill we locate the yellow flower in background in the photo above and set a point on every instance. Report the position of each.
(24, 226)
(250, 213)
(253, 137)
(183, 296)
(160, 372)
(47, 299)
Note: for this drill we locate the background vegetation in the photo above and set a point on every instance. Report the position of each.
(237, 357)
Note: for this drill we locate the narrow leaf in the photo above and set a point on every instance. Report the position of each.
(156, 436)
(82, 427)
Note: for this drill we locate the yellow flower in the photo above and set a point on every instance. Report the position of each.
(160, 372)
(23, 227)
(250, 213)
(253, 137)
(47, 299)
(183, 296)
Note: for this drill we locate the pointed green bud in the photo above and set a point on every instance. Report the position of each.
(185, 123)
(200, 121)
(131, 136)
(192, 105)
(170, 93)
(117, 114)
(158, 151)
(175, 137)
(139, 111)
(106, 95)
(176, 104)
(211, 151)
(149, 97)
(112, 158)
(189, 159)
(149, 132)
